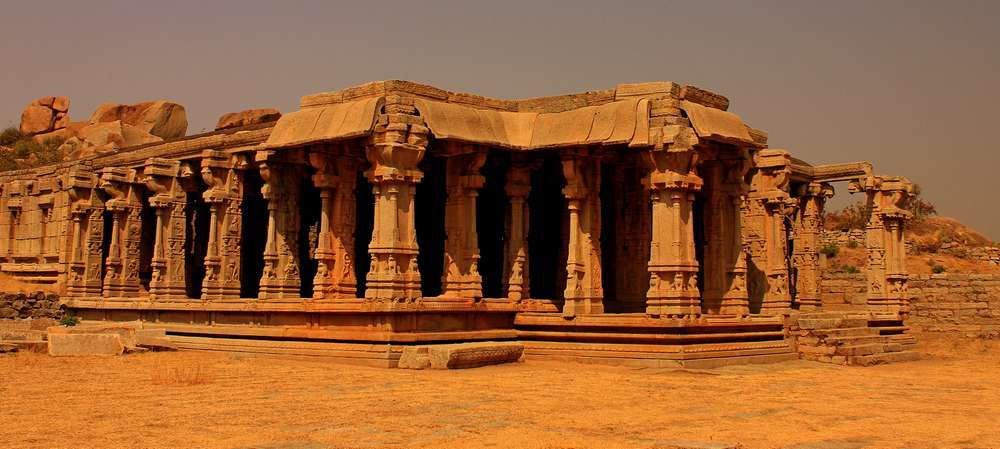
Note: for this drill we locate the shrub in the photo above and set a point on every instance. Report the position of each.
(69, 320)
(830, 250)
(852, 244)
(851, 269)
(20, 151)
(9, 136)
(938, 269)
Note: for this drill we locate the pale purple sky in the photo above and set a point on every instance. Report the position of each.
(912, 86)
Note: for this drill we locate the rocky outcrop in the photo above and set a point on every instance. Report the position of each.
(159, 118)
(247, 118)
(110, 127)
(44, 115)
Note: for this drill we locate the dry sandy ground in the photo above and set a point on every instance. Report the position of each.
(192, 399)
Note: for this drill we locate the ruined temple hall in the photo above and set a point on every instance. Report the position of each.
(642, 224)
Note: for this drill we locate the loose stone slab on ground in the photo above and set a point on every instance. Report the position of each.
(85, 344)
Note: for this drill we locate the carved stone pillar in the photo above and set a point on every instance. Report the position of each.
(673, 266)
(461, 277)
(121, 278)
(726, 269)
(397, 146)
(584, 293)
(224, 196)
(163, 178)
(281, 253)
(768, 205)
(885, 242)
(516, 244)
(84, 276)
(336, 176)
(809, 223)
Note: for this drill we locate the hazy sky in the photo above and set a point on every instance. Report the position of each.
(912, 86)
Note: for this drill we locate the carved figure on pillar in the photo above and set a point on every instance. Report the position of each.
(584, 293)
(121, 277)
(673, 182)
(461, 277)
(224, 195)
(516, 243)
(162, 177)
(281, 255)
(768, 204)
(84, 277)
(395, 149)
(336, 175)
(809, 225)
(885, 241)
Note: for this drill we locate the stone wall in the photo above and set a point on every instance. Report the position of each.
(30, 305)
(966, 304)
(843, 291)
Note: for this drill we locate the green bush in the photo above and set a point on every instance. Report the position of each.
(69, 320)
(830, 250)
(852, 244)
(938, 269)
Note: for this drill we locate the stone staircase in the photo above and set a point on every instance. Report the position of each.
(845, 338)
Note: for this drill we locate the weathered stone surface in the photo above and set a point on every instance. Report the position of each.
(472, 355)
(247, 118)
(73, 344)
(7, 347)
(414, 357)
(160, 118)
(36, 119)
(103, 133)
(60, 104)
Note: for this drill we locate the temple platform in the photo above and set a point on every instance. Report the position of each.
(634, 339)
(375, 333)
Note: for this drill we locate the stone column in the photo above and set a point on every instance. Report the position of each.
(885, 242)
(224, 196)
(395, 149)
(516, 244)
(673, 267)
(768, 204)
(461, 277)
(809, 223)
(584, 293)
(336, 176)
(734, 298)
(163, 178)
(281, 253)
(84, 275)
(121, 278)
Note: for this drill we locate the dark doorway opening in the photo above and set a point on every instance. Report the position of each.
(106, 241)
(491, 212)
(198, 214)
(699, 219)
(364, 224)
(546, 214)
(147, 242)
(254, 235)
(310, 205)
(612, 215)
(431, 195)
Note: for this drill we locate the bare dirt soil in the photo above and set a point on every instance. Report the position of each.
(192, 399)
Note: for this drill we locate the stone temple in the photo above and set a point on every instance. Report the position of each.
(640, 225)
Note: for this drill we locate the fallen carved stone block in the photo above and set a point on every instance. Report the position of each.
(85, 344)
(472, 355)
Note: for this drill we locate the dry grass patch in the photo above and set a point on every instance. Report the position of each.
(182, 374)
